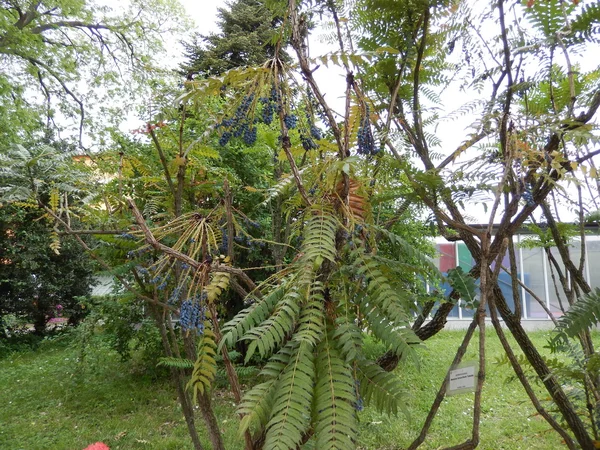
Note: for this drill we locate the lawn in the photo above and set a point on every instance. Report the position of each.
(49, 401)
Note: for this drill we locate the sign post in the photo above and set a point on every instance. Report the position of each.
(462, 378)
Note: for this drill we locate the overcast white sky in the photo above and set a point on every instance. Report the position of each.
(203, 13)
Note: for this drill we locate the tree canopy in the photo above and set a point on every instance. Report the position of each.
(251, 182)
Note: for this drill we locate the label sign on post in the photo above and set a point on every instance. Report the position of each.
(462, 378)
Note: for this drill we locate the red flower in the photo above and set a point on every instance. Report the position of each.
(97, 446)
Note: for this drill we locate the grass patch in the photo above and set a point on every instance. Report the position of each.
(508, 420)
(49, 401)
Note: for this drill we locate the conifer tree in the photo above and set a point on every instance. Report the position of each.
(246, 30)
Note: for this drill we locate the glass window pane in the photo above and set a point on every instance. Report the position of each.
(556, 294)
(593, 260)
(533, 276)
(447, 261)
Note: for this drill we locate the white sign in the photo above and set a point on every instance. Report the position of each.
(462, 379)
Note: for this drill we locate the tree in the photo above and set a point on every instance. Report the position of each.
(53, 46)
(388, 91)
(37, 282)
(37, 271)
(344, 190)
(246, 38)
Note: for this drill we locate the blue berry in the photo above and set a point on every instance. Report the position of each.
(290, 121)
(224, 139)
(315, 132)
(308, 143)
(250, 136)
(528, 197)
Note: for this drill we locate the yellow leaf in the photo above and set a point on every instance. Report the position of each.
(594, 172)
(574, 165)
(250, 189)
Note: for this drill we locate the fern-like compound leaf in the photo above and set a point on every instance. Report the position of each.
(292, 401)
(251, 316)
(582, 315)
(335, 395)
(274, 331)
(177, 363)
(205, 367)
(379, 388)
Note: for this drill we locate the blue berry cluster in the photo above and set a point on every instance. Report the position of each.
(268, 108)
(243, 108)
(358, 404)
(192, 316)
(528, 197)
(224, 139)
(290, 121)
(247, 242)
(224, 242)
(127, 236)
(174, 297)
(240, 125)
(251, 223)
(307, 143)
(366, 141)
(132, 254)
(315, 132)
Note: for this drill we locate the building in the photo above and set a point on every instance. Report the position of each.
(534, 270)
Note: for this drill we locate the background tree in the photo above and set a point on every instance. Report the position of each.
(38, 271)
(37, 283)
(246, 38)
(53, 47)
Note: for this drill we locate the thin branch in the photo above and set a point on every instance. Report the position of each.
(163, 160)
(151, 239)
(100, 261)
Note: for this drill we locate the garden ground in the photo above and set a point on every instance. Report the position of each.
(51, 401)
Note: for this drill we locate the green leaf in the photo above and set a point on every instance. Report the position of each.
(464, 284)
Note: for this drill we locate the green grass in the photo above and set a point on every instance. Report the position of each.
(48, 403)
(508, 420)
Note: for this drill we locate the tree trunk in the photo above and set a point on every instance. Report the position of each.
(535, 359)
(178, 377)
(208, 414)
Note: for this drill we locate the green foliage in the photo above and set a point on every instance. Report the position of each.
(51, 48)
(582, 315)
(311, 317)
(549, 16)
(335, 398)
(380, 388)
(205, 367)
(586, 24)
(542, 237)
(247, 31)
(464, 284)
(30, 173)
(249, 317)
(176, 363)
(292, 399)
(35, 279)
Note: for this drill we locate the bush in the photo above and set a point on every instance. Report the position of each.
(121, 324)
(36, 276)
